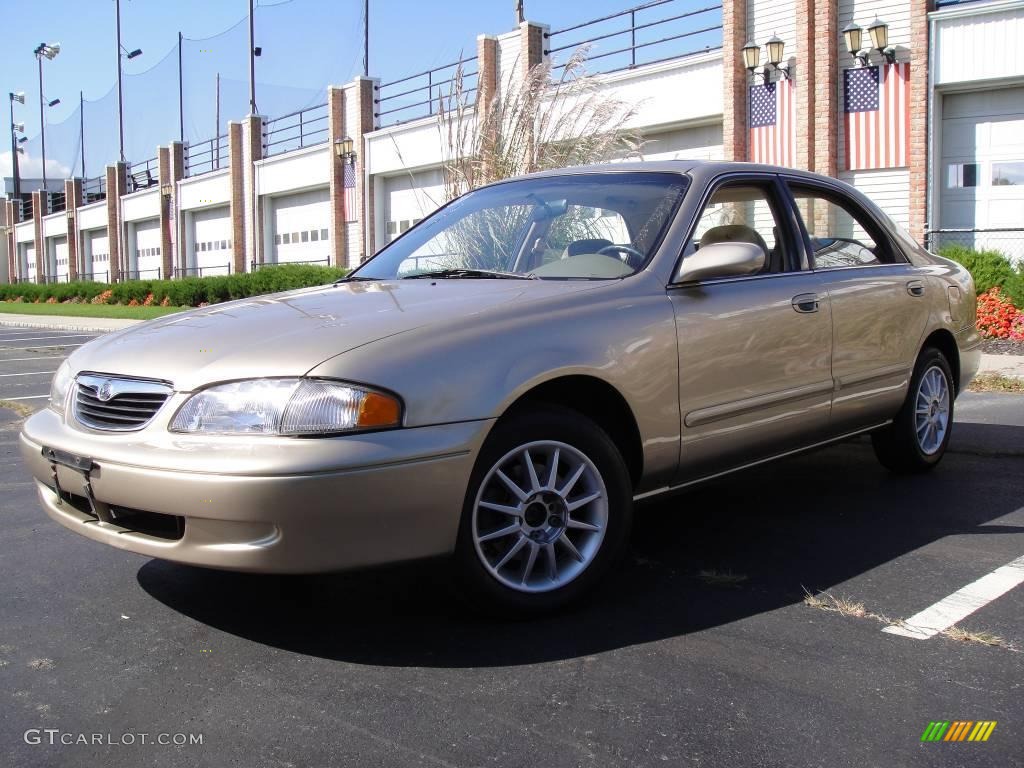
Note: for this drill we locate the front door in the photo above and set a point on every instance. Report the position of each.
(754, 351)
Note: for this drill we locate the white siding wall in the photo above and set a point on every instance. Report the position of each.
(699, 143)
(768, 18)
(886, 188)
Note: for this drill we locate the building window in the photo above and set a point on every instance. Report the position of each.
(323, 234)
(1008, 174)
(392, 227)
(314, 235)
(295, 237)
(305, 236)
(286, 238)
(277, 239)
(962, 175)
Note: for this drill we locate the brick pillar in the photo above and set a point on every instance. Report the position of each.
(37, 229)
(117, 178)
(918, 149)
(236, 169)
(734, 96)
(531, 45)
(336, 176)
(826, 90)
(175, 247)
(252, 216)
(164, 183)
(804, 85)
(486, 89)
(72, 201)
(358, 123)
(12, 252)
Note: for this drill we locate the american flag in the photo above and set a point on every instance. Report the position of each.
(876, 116)
(772, 123)
(349, 186)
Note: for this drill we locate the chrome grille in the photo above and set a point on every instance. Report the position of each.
(117, 405)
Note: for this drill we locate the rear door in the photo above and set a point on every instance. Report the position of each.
(879, 303)
(754, 351)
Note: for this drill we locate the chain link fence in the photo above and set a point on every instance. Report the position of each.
(1007, 241)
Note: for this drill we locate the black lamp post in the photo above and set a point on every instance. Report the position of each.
(49, 51)
(19, 97)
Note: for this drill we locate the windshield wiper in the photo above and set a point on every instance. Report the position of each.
(472, 273)
(355, 279)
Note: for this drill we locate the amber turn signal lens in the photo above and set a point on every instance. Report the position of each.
(378, 410)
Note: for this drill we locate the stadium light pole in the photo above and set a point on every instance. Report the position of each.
(50, 51)
(15, 96)
(122, 52)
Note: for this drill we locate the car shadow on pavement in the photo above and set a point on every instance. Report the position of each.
(808, 522)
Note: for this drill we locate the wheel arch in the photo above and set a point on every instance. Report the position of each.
(944, 341)
(597, 400)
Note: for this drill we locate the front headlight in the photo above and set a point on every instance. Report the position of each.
(286, 407)
(59, 387)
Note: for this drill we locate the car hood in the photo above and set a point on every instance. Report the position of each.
(288, 334)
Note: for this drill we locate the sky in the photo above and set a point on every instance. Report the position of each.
(307, 43)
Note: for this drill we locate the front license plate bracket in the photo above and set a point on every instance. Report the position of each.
(82, 465)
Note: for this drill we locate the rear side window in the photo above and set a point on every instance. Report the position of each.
(841, 236)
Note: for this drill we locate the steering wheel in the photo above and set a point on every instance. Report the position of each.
(633, 257)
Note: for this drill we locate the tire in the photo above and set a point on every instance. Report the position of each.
(507, 540)
(910, 445)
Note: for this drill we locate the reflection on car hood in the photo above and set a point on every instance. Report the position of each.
(288, 334)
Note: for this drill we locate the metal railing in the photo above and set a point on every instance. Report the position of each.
(137, 274)
(296, 130)
(94, 189)
(93, 276)
(58, 202)
(55, 279)
(205, 156)
(254, 266)
(1009, 241)
(422, 94)
(198, 271)
(645, 40)
(143, 175)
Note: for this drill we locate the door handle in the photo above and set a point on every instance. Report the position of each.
(915, 288)
(805, 303)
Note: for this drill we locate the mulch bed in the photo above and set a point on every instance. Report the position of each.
(1002, 347)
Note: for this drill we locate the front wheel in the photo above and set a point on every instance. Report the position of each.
(919, 435)
(547, 511)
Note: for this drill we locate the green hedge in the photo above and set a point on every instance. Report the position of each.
(186, 292)
(990, 269)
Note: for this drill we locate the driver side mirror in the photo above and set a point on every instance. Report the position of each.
(731, 259)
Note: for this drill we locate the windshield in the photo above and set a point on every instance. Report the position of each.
(587, 226)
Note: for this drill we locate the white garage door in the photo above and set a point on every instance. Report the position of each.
(982, 173)
(148, 260)
(60, 257)
(301, 223)
(97, 255)
(212, 241)
(28, 261)
(408, 198)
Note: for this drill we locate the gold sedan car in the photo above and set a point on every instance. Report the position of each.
(503, 381)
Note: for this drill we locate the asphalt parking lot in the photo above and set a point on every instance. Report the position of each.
(701, 650)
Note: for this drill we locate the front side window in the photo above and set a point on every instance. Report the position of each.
(587, 226)
(840, 236)
(742, 212)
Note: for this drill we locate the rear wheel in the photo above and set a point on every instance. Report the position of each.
(917, 438)
(547, 511)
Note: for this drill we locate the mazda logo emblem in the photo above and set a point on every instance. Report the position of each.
(105, 391)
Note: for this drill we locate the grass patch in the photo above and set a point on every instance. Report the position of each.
(117, 311)
(722, 578)
(19, 408)
(826, 601)
(996, 382)
(980, 637)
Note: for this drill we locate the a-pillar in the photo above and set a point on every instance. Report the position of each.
(72, 201)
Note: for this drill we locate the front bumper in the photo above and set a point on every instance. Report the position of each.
(276, 505)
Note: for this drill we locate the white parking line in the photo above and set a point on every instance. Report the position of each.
(45, 346)
(5, 339)
(29, 397)
(26, 359)
(962, 603)
(33, 373)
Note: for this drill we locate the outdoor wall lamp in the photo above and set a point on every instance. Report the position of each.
(165, 190)
(878, 31)
(345, 149)
(752, 56)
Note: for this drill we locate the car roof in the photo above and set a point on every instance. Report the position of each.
(699, 169)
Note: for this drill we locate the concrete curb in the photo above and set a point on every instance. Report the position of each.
(55, 323)
(1005, 365)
